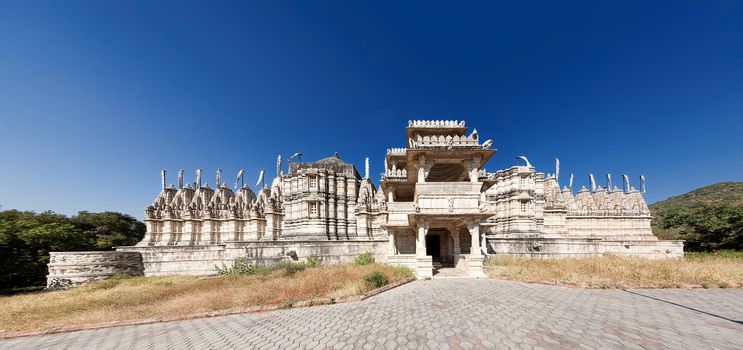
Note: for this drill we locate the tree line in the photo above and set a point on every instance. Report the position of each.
(705, 227)
(27, 237)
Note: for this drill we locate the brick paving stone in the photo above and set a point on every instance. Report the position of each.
(451, 314)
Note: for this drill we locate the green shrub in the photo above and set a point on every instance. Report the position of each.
(241, 267)
(291, 267)
(376, 279)
(313, 261)
(364, 259)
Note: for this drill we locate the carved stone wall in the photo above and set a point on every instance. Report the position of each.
(67, 269)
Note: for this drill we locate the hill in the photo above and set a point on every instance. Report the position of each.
(722, 193)
(708, 218)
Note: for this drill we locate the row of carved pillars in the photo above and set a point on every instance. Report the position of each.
(420, 241)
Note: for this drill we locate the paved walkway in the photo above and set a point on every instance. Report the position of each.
(451, 313)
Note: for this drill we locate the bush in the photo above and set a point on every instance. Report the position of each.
(364, 259)
(313, 261)
(376, 279)
(240, 267)
(243, 267)
(290, 268)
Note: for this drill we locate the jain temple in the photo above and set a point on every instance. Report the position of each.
(435, 207)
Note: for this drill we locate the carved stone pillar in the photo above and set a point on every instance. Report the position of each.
(207, 230)
(167, 231)
(483, 244)
(423, 168)
(270, 225)
(148, 235)
(423, 263)
(187, 231)
(392, 248)
(474, 228)
(473, 168)
(420, 243)
(455, 237)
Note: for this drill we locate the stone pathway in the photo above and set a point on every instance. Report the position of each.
(451, 314)
(449, 272)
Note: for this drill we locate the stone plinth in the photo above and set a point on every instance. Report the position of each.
(472, 264)
(424, 266)
(406, 260)
(589, 247)
(174, 260)
(67, 269)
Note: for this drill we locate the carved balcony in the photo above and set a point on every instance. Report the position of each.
(397, 213)
(448, 198)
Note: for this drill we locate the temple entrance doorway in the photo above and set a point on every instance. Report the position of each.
(433, 247)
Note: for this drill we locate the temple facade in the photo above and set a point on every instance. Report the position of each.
(436, 207)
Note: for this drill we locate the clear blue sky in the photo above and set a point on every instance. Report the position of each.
(97, 97)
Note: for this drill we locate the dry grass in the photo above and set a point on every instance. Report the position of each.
(139, 298)
(696, 270)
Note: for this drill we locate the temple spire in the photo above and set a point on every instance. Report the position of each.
(180, 179)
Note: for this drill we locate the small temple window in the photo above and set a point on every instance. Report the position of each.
(523, 182)
(313, 209)
(523, 207)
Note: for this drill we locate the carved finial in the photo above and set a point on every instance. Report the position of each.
(335, 154)
(198, 178)
(642, 183)
(295, 155)
(162, 176)
(557, 168)
(487, 144)
(260, 177)
(625, 182)
(525, 161)
(366, 168)
(592, 181)
(219, 178)
(240, 178)
(278, 166)
(571, 183)
(608, 182)
(180, 179)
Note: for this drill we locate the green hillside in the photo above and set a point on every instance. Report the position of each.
(708, 218)
(726, 193)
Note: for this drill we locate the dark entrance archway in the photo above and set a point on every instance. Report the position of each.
(433, 247)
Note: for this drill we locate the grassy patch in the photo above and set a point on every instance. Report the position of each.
(697, 269)
(136, 298)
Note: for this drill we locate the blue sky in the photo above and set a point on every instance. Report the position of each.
(97, 97)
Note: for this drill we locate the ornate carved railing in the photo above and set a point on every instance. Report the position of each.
(436, 123)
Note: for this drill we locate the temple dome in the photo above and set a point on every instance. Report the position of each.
(334, 159)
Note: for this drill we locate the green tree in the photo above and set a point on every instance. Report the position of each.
(26, 238)
(707, 227)
(109, 229)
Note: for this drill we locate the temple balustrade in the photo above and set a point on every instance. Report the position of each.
(448, 197)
